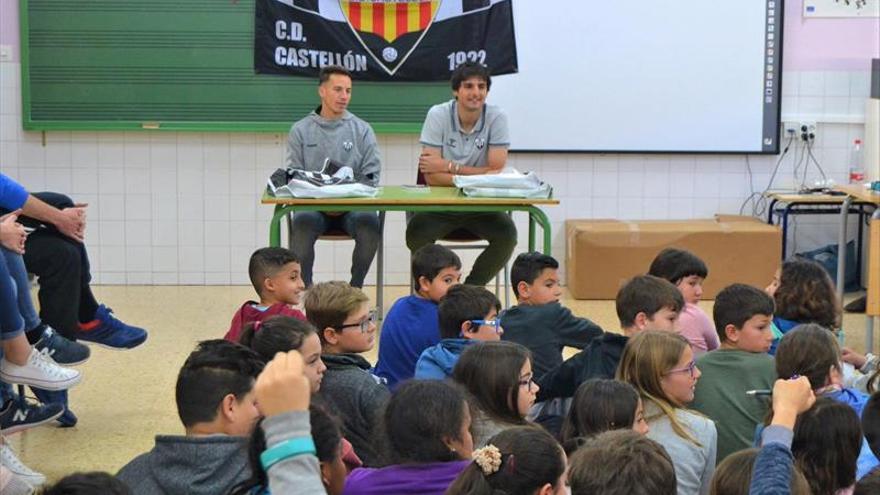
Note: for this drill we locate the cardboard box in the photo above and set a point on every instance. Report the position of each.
(873, 302)
(601, 255)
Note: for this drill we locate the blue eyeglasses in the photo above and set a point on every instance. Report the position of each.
(496, 324)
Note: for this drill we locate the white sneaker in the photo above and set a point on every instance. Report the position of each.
(40, 372)
(11, 462)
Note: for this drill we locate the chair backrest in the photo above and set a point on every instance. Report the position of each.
(420, 178)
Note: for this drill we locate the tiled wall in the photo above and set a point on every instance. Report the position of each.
(181, 208)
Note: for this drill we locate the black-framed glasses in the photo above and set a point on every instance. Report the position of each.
(690, 369)
(371, 318)
(528, 382)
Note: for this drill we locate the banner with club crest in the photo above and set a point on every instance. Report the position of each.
(383, 40)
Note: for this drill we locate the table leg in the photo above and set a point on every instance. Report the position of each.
(380, 267)
(785, 213)
(869, 309)
(281, 211)
(531, 233)
(537, 215)
(841, 253)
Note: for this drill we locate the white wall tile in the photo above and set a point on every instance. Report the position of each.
(171, 207)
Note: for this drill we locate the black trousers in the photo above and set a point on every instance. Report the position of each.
(61, 265)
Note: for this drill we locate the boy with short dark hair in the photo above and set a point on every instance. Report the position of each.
(687, 272)
(218, 409)
(645, 302)
(275, 275)
(411, 325)
(539, 322)
(347, 328)
(641, 466)
(742, 316)
(466, 315)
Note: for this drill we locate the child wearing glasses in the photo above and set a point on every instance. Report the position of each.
(661, 367)
(466, 314)
(411, 325)
(743, 316)
(347, 327)
(499, 381)
(539, 321)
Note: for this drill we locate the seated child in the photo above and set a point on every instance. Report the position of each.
(687, 272)
(290, 461)
(644, 303)
(734, 474)
(427, 441)
(498, 379)
(601, 405)
(812, 351)
(466, 315)
(804, 294)
(347, 328)
(825, 446)
(284, 334)
(411, 325)
(742, 316)
(539, 321)
(218, 409)
(329, 449)
(523, 459)
(641, 466)
(661, 367)
(275, 275)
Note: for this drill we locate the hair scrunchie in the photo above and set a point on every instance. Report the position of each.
(488, 459)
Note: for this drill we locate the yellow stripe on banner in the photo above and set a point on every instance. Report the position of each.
(367, 17)
(413, 12)
(390, 21)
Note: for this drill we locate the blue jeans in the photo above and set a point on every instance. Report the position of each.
(362, 226)
(15, 263)
(14, 296)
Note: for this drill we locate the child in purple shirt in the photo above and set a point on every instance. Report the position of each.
(427, 439)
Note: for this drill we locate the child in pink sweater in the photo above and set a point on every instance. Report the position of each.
(687, 272)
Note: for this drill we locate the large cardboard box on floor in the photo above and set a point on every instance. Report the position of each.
(601, 255)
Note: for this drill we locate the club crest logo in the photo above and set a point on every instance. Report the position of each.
(389, 29)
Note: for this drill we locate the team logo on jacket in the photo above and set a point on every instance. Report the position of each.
(347, 145)
(389, 29)
(479, 143)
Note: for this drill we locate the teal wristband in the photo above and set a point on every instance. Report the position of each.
(286, 450)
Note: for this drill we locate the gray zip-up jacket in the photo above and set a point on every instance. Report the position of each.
(347, 140)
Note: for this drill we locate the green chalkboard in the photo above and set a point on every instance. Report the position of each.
(178, 65)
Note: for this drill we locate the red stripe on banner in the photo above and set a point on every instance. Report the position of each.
(402, 17)
(379, 18)
(354, 14)
(424, 14)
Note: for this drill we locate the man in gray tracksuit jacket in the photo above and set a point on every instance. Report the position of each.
(331, 131)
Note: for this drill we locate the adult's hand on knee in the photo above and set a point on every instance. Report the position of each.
(72, 222)
(12, 233)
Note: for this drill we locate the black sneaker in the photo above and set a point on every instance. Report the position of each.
(63, 351)
(20, 415)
